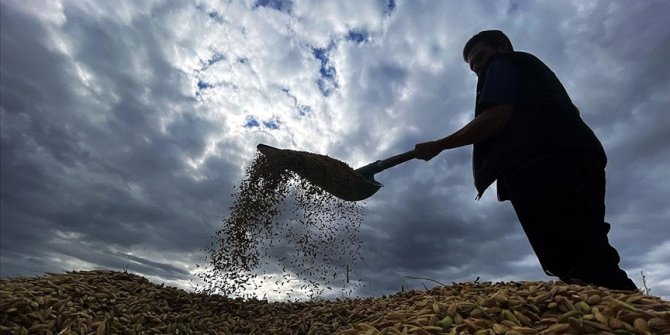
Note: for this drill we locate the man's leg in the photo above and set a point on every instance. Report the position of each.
(559, 200)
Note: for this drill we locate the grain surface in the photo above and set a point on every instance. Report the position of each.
(106, 302)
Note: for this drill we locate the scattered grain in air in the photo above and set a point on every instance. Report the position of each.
(284, 230)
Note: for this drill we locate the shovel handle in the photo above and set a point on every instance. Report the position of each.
(369, 170)
(398, 159)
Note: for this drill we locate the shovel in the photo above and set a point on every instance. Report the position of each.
(332, 175)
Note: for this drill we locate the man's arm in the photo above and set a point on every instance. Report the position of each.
(491, 122)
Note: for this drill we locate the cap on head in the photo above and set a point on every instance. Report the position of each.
(494, 38)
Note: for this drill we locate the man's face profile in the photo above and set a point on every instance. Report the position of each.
(479, 56)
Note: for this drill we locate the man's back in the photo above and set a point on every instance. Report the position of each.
(544, 118)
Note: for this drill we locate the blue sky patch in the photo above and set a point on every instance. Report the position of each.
(326, 82)
(203, 85)
(215, 58)
(251, 123)
(326, 69)
(358, 36)
(271, 124)
(304, 110)
(214, 15)
(391, 5)
(280, 5)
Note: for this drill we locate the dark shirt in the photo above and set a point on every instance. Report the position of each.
(544, 119)
(501, 84)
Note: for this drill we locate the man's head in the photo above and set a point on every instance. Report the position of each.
(482, 46)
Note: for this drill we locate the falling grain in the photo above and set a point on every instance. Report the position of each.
(285, 230)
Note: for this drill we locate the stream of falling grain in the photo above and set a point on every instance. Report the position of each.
(284, 231)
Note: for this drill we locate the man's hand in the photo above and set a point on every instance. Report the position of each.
(489, 123)
(428, 150)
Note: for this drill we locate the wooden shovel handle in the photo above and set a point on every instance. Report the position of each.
(397, 159)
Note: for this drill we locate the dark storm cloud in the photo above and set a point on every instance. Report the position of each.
(421, 233)
(621, 89)
(125, 128)
(107, 164)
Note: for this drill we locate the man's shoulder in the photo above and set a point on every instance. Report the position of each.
(521, 55)
(517, 57)
(523, 60)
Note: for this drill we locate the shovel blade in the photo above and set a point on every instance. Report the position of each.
(329, 174)
(361, 191)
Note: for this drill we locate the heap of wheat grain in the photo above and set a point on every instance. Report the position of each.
(105, 302)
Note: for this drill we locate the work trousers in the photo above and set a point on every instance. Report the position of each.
(559, 199)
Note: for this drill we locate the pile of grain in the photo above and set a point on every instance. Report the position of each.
(105, 302)
(284, 230)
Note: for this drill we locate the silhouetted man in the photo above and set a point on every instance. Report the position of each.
(529, 138)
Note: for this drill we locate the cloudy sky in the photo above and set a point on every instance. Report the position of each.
(126, 124)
